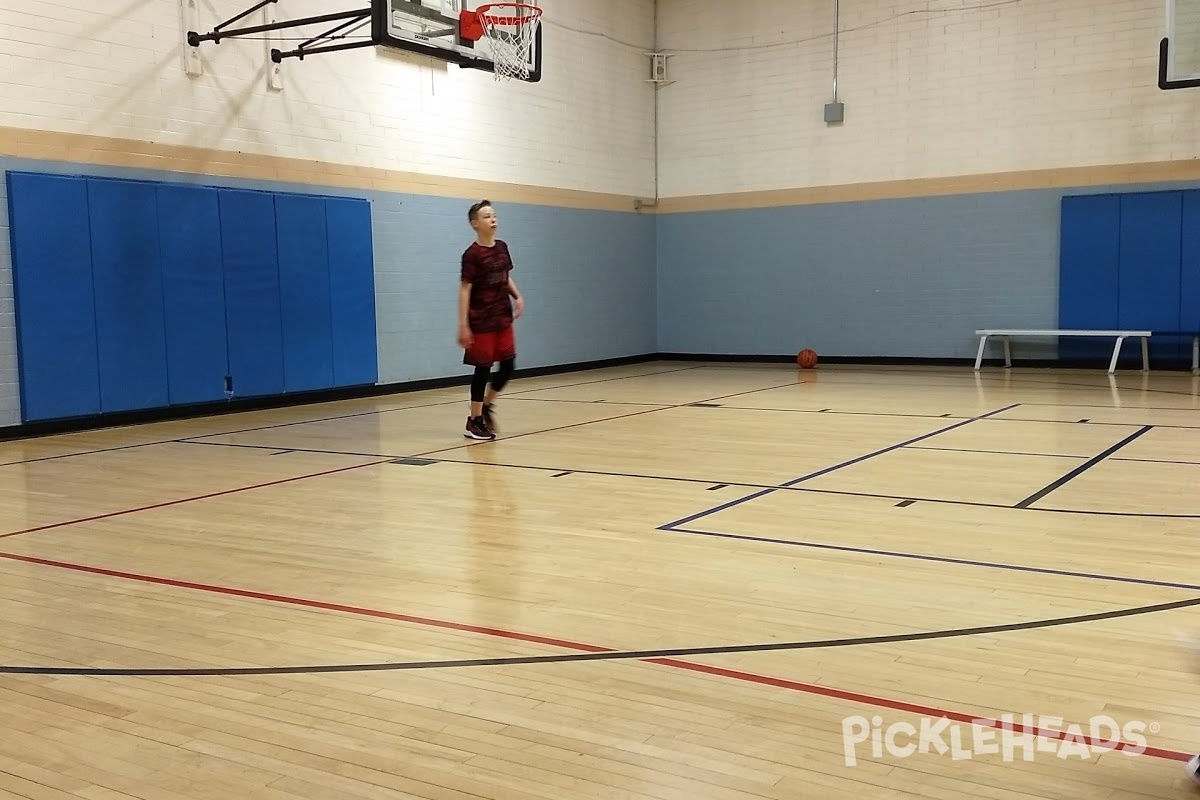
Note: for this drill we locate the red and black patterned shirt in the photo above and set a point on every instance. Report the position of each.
(486, 269)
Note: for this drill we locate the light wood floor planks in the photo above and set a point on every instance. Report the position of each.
(666, 581)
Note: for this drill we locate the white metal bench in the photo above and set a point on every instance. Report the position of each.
(1120, 336)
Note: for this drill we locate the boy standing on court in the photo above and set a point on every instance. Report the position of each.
(485, 318)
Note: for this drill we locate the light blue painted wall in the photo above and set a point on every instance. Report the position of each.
(588, 278)
(910, 277)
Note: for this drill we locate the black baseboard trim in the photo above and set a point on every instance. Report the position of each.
(1126, 363)
(31, 430)
(740, 358)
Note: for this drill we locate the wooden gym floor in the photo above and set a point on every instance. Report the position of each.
(672, 581)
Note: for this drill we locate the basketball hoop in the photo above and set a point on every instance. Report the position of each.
(510, 27)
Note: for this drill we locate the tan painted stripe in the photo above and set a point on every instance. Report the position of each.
(85, 149)
(1116, 174)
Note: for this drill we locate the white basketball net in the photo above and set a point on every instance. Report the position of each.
(510, 27)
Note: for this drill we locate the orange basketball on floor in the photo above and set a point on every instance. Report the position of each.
(807, 358)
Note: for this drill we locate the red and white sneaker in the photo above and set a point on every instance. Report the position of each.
(477, 429)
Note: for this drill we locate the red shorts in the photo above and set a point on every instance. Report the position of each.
(488, 348)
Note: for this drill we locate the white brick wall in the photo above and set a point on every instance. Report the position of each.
(932, 88)
(115, 68)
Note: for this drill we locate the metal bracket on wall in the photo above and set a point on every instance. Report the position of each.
(192, 64)
(658, 69)
(223, 31)
(274, 70)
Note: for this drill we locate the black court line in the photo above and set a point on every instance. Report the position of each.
(994, 452)
(653, 410)
(965, 562)
(1156, 461)
(901, 415)
(196, 439)
(738, 484)
(601, 380)
(510, 437)
(755, 391)
(1084, 467)
(998, 380)
(894, 447)
(507, 398)
(618, 655)
(1126, 459)
(827, 470)
(86, 452)
(1111, 407)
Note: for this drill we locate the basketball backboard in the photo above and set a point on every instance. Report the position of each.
(434, 28)
(1179, 51)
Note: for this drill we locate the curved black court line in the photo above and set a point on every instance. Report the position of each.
(844, 548)
(611, 655)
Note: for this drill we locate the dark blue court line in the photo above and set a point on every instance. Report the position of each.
(899, 415)
(1125, 459)
(997, 452)
(827, 470)
(1082, 468)
(738, 484)
(841, 548)
(608, 655)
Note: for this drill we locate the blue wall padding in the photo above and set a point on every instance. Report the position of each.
(1189, 278)
(135, 295)
(189, 224)
(1131, 261)
(1089, 271)
(304, 293)
(52, 280)
(1150, 266)
(252, 317)
(352, 292)
(127, 284)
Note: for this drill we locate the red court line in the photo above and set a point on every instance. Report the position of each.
(300, 601)
(739, 675)
(916, 708)
(168, 503)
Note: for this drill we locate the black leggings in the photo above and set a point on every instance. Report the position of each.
(480, 378)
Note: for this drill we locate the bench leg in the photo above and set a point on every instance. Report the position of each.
(1196, 354)
(1007, 354)
(1112, 365)
(979, 355)
(1145, 355)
